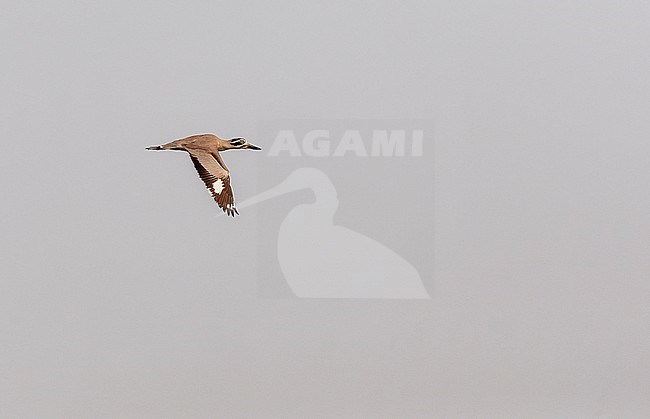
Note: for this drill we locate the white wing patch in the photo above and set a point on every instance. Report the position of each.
(218, 186)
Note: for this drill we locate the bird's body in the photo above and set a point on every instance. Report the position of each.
(204, 151)
(322, 260)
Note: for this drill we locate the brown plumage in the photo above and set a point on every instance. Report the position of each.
(204, 151)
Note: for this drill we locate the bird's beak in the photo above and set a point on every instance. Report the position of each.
(252, 146)
(281, 189)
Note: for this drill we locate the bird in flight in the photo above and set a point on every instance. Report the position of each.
(204, 151)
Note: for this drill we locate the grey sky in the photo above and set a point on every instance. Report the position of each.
(122, 296)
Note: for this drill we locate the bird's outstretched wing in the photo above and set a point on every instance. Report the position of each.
(216, 179)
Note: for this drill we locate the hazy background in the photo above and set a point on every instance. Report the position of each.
(122, 296)
(388, 199)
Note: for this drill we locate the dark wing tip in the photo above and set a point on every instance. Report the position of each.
(231, 211)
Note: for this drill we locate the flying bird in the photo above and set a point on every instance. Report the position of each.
(204, 151)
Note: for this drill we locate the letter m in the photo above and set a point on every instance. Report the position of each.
(388, 143)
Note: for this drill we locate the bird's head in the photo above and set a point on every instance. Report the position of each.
(241, 143)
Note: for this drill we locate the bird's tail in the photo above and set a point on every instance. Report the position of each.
(155, 147)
